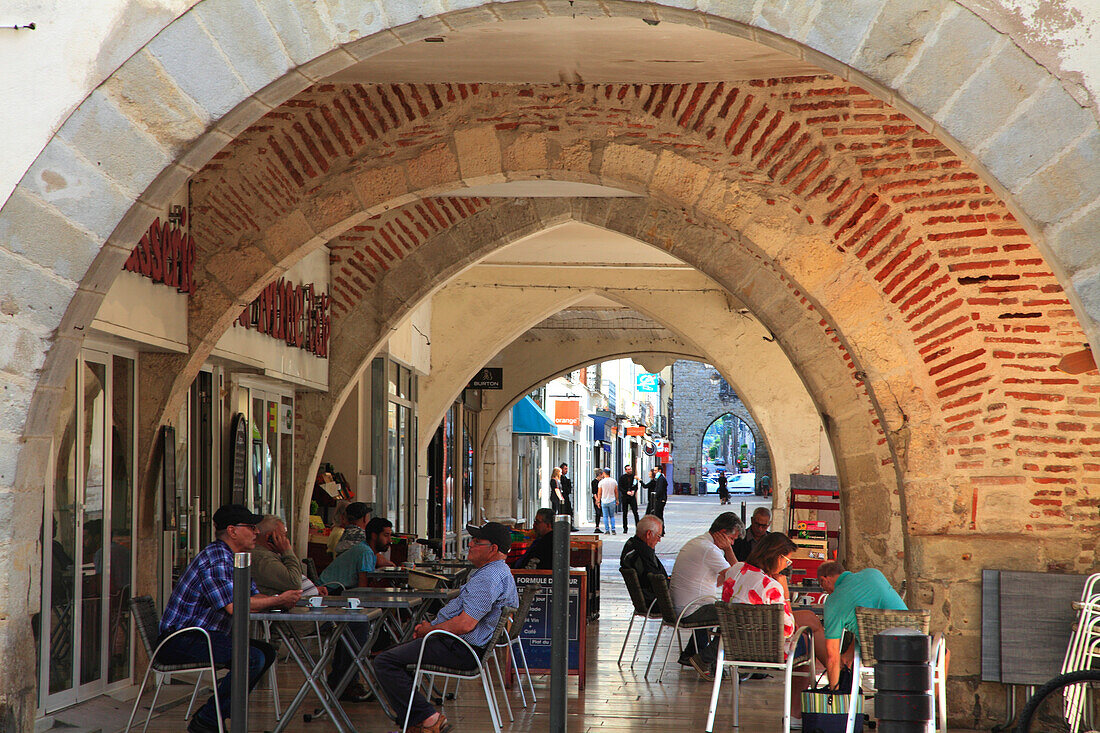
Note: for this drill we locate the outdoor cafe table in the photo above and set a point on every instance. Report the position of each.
(393, 600)
(314, 669)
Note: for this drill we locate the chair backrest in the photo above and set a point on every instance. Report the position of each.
(526, 598)
(871, 621)
(507, 614)
(420, 580)
(311, 571)
(146, 621)
(751, 632)
(659, 584)
(634, 588)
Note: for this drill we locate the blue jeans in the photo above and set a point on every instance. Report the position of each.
(608, 516)
(191, 647)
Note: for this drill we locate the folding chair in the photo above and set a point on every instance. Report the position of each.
(872, 621)
(752, 638)
(669, 618)
(481, 672)
(634, 588)
(148, 627)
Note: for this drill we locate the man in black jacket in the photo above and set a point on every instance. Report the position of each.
(567, 492)
(540, 554)
(660, 494)
(628, 495)
(639, 555)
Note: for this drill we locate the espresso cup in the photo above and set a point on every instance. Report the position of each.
(316, 601)
(353, 603)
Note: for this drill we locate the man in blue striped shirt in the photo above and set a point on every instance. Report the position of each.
(472, 615)
(204, 598)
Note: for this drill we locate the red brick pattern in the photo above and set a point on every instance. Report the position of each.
(986, 317)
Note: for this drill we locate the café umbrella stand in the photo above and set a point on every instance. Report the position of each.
(903, 681)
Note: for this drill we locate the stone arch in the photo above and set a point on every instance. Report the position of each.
(202, 113)
(703, 403)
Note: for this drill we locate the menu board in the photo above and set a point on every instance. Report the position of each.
(535, 636)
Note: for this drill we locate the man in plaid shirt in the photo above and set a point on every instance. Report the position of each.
(204, 598)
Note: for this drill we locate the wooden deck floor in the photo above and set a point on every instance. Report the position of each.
(614, 699)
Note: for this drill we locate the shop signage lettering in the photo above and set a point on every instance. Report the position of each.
(296, 314)
(165, 254)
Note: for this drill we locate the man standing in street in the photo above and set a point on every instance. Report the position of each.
(204, 598)
(567, 492)
(596, 500)
(609, 497)
(628, 495)
(700, 570)
(660, 494)
(472, 615)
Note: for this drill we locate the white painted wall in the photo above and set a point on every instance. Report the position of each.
(141, 310)
(410, 343)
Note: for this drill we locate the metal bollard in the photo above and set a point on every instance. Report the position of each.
(744, 508)
(903, 681)
(242, 585)
(559, 624)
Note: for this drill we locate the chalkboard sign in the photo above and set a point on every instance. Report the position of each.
(239, 435)
(536, 631)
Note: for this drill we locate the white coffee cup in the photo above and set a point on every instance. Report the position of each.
(353, 603)
(316, 601)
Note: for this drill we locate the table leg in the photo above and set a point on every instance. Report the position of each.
(315, 679)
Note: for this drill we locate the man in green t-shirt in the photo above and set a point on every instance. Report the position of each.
(867, 589)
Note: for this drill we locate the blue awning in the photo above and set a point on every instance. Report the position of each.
(599, 428)
(529, 419)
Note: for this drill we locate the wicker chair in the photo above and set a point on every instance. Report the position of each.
(872, 621)
(752, 639)
(641, 608)
(482, 671)
(512, 641)
(148, 628)
(670, 618)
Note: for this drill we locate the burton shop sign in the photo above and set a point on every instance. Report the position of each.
(165, 254)
(296, 314)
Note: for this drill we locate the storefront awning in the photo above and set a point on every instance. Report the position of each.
(600, 433)
(529, 419)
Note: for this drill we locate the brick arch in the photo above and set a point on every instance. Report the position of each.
(176, 120)
(804, 331)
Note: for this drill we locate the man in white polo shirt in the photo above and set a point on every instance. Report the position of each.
(700, 570)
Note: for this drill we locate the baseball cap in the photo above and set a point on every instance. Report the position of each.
(494, 532)
(230, 514)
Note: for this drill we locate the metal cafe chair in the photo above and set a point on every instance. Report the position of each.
(752, 639)
(480, 672)
(145, 618)
(634, 588)
(872, 621)
(512, 641)
(669, 618)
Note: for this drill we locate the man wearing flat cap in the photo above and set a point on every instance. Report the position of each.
(472, 615)
(204, 598)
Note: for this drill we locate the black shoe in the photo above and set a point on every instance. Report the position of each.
(705, 671)
(612, 531)
(599, 531)
(355, 692)
(198, 725)
(574, 529)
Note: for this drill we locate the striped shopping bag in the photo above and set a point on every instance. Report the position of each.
(824, 711)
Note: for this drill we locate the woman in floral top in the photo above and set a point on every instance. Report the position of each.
(760, 580)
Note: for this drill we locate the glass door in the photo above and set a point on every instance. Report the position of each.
(87, 530)
(271, 450)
